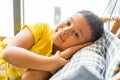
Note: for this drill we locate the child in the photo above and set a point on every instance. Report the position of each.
(42, 51)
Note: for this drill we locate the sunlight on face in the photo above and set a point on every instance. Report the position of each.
(72, 32)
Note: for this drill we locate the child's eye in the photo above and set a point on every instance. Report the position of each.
(68, 23)
(75, 33)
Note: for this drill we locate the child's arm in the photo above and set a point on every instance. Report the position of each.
(17, 53)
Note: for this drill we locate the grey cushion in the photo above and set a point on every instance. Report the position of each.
(81, 73)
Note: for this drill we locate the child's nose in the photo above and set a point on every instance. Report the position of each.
(66, 33)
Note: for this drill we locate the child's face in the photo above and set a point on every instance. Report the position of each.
(74, 31)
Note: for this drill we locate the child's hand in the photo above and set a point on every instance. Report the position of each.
(60, 58)
(57, 62)
(77, 47)
(71, 50)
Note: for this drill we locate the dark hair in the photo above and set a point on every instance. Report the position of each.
(95, 23)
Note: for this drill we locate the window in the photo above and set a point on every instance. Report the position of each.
(6, 18)
(46, 10)
(16, 12)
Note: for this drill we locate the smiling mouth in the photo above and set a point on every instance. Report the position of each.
(59, 35)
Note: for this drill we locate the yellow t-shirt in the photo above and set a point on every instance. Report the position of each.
(3, 63)
(42, 34)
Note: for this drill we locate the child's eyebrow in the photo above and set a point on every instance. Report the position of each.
(81, 32)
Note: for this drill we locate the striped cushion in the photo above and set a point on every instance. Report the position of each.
(101, 59)
(90, 57)
(112, 52)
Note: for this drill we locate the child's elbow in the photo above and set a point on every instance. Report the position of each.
(5, 54)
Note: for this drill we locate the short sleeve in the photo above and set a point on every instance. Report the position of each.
(38, 30)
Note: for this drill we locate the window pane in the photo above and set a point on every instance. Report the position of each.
(6, 18)
(38, 11)
(46, 10)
